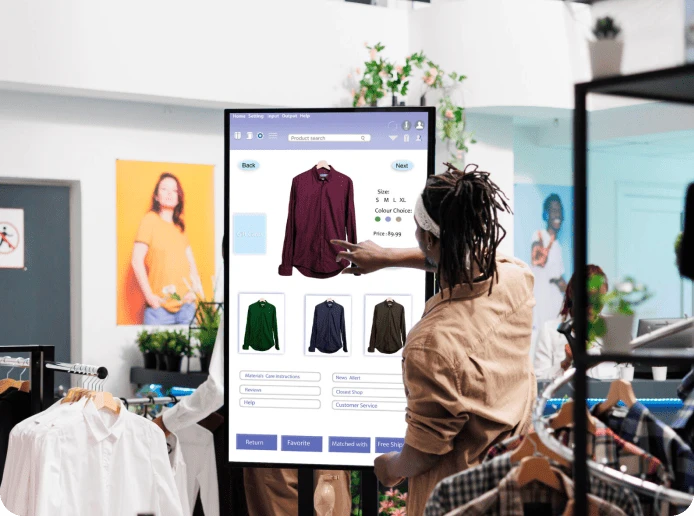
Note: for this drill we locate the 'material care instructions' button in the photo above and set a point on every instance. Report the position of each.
(256, 442)
(280, 376)
(389, 444)
(350, 445)
(302, 443)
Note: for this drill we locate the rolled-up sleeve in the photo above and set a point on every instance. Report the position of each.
(436, 411)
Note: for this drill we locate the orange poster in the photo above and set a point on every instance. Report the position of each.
(165, 239)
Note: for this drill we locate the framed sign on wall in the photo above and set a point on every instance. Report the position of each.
(11, 238)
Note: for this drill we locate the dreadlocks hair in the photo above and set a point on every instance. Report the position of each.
(466, 205)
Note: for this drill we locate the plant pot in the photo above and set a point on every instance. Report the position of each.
(395, 100)
(161, 365)
(150, 360)
(423, 100)
(606, 57)
(618, 335)
(173, 363)
(205, 363)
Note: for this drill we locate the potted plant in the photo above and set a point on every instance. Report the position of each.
(207, 319)
(606, 50)
(157, 345)
(177, 346)
(144, 342)
(615, 327)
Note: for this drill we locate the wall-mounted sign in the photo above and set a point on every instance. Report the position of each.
(11, 238)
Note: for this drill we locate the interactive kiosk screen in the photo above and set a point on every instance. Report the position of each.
(314, 355)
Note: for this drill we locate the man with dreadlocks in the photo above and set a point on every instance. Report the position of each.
(468, 377)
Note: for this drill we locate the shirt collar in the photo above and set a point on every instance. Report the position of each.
(98, 428)
(511, 498)
(460, 292)
(318, 172)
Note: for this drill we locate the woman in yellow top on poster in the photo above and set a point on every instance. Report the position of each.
(163, 259)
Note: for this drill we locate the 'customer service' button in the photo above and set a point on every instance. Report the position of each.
(302, 443)
(350, 445)
(389, 444)
(256, 442)
(402, 164)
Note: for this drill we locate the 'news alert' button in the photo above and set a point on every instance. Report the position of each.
(256, 442)
(389, 444)
(302, 443)
(350, 445)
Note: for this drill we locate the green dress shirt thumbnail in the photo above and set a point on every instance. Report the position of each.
(261, 327)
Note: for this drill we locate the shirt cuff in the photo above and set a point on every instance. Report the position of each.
(285, 270)
(169, 419)
(424, 441)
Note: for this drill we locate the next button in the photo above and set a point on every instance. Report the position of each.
(302, 443)
(389, 444)
(350, 445)
(402, 164)
(256, 442)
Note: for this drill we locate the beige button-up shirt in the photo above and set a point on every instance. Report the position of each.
(468, 375)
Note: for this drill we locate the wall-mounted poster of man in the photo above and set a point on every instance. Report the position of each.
(165, 214)
(543, 239)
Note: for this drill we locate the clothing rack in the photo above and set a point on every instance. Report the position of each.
(41, 365)
(599, 470)
(159, 400)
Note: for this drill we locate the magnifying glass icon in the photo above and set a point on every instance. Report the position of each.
(362, 138)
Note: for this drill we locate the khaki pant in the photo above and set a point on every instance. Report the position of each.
(274, 492)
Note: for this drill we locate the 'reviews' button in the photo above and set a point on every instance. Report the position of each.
(249, 165)
(403, 165)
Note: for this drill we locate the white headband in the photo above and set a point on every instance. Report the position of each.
(424, 220)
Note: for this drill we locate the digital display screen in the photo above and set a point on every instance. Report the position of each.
(314, 357)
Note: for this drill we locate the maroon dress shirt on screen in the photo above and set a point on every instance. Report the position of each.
(321, 208)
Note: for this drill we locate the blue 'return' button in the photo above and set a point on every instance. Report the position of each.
(302, 443)
(350, 445)
(402, 164)
(256, 442)
(249, 164)
(389, 444)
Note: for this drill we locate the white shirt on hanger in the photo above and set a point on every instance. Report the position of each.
(75, 460)
(179, 469)
(207, 398)
(197, 444)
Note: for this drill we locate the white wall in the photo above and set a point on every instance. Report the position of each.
(78, 140)
(514, 53)
(266, 52)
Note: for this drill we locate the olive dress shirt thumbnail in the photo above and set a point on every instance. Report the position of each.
(261, 327)
(321, 209)
(328, 334)
(468, 377)
(388, 331)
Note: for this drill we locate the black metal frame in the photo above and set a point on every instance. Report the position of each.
(41, 394)
(369, 485)
(670, 85)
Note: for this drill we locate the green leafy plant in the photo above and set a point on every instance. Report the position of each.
(175, 343)
(355, 489)
(144, 341)
(678, 246)
(207, 318)
(620, 301)
(606, 28)
(393, 502)
(158, 341)
(381, 75)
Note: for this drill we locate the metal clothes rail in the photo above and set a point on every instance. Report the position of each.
(601, 471)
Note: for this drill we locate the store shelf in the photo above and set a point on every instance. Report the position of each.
(643, 389)
(142, 376)
(669, 84)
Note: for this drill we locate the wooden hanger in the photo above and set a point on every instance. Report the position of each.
(330, 300)
(532, 445)
(390, 300)
(565, 418)
(105, 400)
(323, 164)
(261, 300)
(9, 383)
(538, 469)
(620, 390)
(74, 394)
